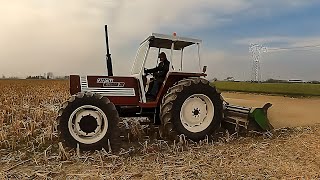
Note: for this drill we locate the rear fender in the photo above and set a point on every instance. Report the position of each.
(171, 79)
(74, 83)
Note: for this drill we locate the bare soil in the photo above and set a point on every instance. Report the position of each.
(285, 112)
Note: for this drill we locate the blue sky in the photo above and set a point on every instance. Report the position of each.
(67, 37)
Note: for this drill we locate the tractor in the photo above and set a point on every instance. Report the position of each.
(186, 102)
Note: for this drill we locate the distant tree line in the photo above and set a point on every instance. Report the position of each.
(43, 77)
(36, 77)
(314, 82)
(286, 81)
(11, 77)
(275, 81)
(47, 76)
(269, 80)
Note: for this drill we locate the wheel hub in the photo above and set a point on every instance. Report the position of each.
(197, 112)
(88, 124)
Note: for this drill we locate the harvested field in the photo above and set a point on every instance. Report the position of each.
(30, 149)
(285, 111)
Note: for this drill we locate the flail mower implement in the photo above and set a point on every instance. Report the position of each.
(248, 118)
(186, 103)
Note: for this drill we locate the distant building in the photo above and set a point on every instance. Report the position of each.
(50, 75)
(296, 81)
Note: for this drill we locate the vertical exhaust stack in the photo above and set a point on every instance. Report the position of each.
(108, 55)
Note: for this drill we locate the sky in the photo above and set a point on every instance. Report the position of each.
(67, 36)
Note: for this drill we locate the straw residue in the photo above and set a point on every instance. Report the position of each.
(30, 149)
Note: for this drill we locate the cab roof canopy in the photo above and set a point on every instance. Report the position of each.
(165, 41)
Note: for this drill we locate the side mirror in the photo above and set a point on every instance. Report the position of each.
(204, 69)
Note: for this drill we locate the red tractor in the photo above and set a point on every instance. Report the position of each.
(186, 103)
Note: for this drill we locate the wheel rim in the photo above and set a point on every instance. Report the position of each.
(197, 113)
(88, 124)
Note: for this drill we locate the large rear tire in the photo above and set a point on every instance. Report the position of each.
(89, 120)
(191, 107)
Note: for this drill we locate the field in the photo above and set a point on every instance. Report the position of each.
(294, 89)
(30, 148)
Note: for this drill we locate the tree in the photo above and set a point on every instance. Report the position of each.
(230, 78)
(275, 81)
(315, 82)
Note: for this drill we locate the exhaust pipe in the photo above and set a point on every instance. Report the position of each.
(108, 55)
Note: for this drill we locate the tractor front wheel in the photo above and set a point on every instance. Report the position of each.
(89, 120)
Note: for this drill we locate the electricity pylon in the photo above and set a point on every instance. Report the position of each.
(256, 50)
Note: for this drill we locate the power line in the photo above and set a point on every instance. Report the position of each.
(256, 50)
(293, 48)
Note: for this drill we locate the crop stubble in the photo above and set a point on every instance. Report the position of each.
(30, 148)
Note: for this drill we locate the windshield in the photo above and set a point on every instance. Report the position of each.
(140, 57)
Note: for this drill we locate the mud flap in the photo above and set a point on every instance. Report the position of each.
(260, 116)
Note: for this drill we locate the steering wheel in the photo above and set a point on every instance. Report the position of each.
(146, 73)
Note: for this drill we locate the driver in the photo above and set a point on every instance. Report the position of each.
(159, 74)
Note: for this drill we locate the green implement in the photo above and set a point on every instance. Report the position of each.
(260, 116)
(248, 118)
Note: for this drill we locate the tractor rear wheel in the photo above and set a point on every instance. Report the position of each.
(191, 107)
(89, 120)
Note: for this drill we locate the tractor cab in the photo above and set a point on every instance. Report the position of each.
(175, 47)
